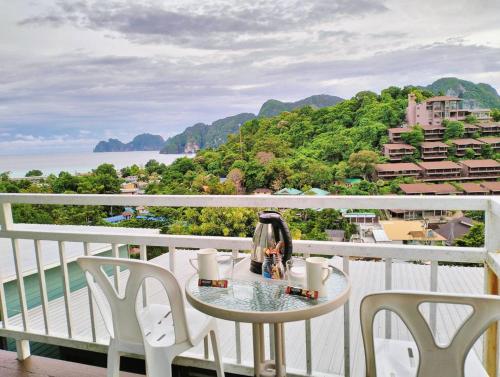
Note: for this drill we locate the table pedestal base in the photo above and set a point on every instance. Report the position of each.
(268, 368)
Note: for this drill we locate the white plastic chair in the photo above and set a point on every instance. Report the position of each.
(148, 330)
(433, 359)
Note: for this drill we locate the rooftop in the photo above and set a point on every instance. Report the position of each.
(465, 141)
(480, 163)
(433, 144)
(397, 166)
(443, 98)
(398, 146)
(429, 127)
(403, 230)
(489, 124)
(399, 130)
(426, 188)
(473, 188)
(492, 186)
(489, 139)
(288, 191)
(439, 165)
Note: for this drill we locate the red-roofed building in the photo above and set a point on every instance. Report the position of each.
(427, 189)
(433, 132)
(434, 150)
(494, 141)
(396, 152)
(471, 130)
(474, 189)
(401, 169)
(434, 110)
(489, 128)
(395, 134)
(462, 144)
(481, 168)
(440, 170)
(493, 187)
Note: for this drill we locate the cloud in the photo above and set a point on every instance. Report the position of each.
(215, 26)
(97, 69)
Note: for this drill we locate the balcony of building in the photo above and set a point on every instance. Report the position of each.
(329, 345)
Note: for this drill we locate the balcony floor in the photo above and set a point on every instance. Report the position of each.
(36, 366)
(327, 330)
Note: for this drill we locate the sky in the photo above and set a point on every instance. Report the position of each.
(75, 72)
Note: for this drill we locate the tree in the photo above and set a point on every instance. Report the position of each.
(495, 114)
(486, 151)
(362, 163)
(474, 238)
(454, 129)
(34, 173)
(415, 137)
(471, 119)
(469, 154)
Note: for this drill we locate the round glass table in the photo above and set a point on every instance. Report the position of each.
(253, 299)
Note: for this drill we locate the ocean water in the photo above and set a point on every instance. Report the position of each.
(79, 162)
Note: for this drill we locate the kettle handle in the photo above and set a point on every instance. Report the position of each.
(287, 239)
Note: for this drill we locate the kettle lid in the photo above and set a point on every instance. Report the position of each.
(269, 217)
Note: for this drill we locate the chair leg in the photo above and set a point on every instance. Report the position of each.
(219, 366)
(113, 362)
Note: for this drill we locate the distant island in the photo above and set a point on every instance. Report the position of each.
(143, 142)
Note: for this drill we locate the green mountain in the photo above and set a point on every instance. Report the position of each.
(274, 107)
(201, 135)
(484, 95)
(143, 142)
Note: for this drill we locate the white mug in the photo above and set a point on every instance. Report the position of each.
(317, 271)
(208, 267)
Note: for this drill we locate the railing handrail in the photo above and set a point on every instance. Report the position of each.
(404, 252)
(260, 201)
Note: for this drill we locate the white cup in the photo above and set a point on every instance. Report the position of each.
(296, 272)
(317, 273)
(208, 267)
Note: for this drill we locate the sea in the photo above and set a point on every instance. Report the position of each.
(78, 162)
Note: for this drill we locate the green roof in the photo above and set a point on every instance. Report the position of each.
(352, 180)
(317, 191)
(288, 191)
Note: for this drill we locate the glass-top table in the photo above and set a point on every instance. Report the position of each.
(251, 298)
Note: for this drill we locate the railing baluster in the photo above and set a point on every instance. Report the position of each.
(388, 287)
(20, 283)
(66, 289)
(143, 255)
(116, 254)
(171, 258)
(347, 326)
(42, 283)
(434, 286)
(86, 250)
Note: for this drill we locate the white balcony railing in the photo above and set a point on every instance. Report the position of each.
(389, 252)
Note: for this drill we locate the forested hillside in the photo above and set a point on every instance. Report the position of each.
(201, 135)
(302, 148)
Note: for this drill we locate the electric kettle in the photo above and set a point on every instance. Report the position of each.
(271, 233)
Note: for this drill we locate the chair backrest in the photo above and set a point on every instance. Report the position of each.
(449, 360)
(121, 322)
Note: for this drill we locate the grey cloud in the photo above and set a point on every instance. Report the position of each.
(218, 26)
